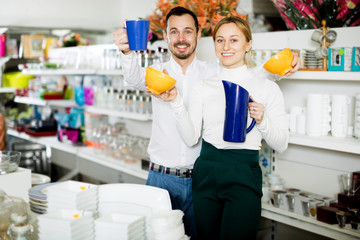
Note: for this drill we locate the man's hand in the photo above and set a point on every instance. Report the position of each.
(120, 39)
(166, 96)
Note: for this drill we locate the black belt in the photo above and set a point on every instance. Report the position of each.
(180, 172)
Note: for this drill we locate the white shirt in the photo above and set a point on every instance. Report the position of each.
(166, 146)
(206, 114)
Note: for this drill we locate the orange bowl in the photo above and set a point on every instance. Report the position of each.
(280, 63)
(158, 82)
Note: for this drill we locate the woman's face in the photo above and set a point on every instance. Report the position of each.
(231, 46)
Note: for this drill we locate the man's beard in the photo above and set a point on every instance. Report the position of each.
(183, 56)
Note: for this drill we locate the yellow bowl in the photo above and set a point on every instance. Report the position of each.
(158, 82)
(280, 63)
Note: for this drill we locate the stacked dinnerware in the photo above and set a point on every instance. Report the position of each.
(38, 198)
(168, 225)
(66, 224)
(310, 61)
(357, 116)
(72, 195)
(120, 226)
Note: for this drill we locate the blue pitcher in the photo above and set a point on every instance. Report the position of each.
(236, 113)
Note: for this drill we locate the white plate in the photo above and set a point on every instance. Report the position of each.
(156, 198)
(37, 179)
(39, 192)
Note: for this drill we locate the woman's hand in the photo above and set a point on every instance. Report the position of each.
(256, 111)
(295, 64)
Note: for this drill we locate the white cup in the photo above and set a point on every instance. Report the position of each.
(301, 123)
(340, 115)
(294, 112)
(314, 114)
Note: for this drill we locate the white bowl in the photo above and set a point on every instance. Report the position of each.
(163, 221)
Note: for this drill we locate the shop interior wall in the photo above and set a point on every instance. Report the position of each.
(80, 14)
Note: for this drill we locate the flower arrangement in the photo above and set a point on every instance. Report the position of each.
(308, 14)
(74, 39)
(208, 12)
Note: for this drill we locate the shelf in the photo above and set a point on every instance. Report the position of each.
(114, 72)
(7, 90)
(41, 102)
(309, 224)
(133, 169)
(112, 112)
(86, 153)
(48, 141)
(326, 76)
(349, 145)
(59, 72)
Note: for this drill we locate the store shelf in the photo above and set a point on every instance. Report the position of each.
(7, 90)
(112, 112)
(114, 72)
(48, 141)
(41, 102)
(309, 224)
(349, 145)
(326, 76)
(60, 72)
(86, 153)
(133, 169)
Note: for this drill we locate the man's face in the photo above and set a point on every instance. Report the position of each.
(181, 36)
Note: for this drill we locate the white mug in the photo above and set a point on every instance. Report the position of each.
(340, 115)
(314, 114)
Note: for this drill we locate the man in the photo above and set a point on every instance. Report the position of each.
(171, 160)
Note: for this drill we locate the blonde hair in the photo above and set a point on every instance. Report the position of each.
(242, 25)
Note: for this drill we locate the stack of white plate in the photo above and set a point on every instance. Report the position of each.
(72, 195)
(168, 225)
(66, 224)
(311, 61)
(38, 198)
(120, 226)
(133, 199)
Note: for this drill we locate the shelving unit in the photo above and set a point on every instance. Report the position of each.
(7, 90)
(349, 145)
(309, 224)
(41, 102)
(59, 71)
(86, 153)
(325, 75)
(112, 112)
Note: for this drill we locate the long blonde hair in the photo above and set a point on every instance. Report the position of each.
(242, 25)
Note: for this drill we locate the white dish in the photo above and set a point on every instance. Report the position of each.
(73, 188)
(39, 192)
(156, 198)
(120, 222)
(37, 179)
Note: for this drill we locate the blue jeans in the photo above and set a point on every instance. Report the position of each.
(180, 191)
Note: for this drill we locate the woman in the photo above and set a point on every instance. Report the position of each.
(227, 178)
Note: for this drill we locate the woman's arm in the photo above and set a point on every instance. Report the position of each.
(274, 126)
(262, 73)
(188, 123)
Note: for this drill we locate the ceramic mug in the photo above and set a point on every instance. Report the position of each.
(236, 113)
(317, 36)
(321, 52)
(331, 36)
(137, 32)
